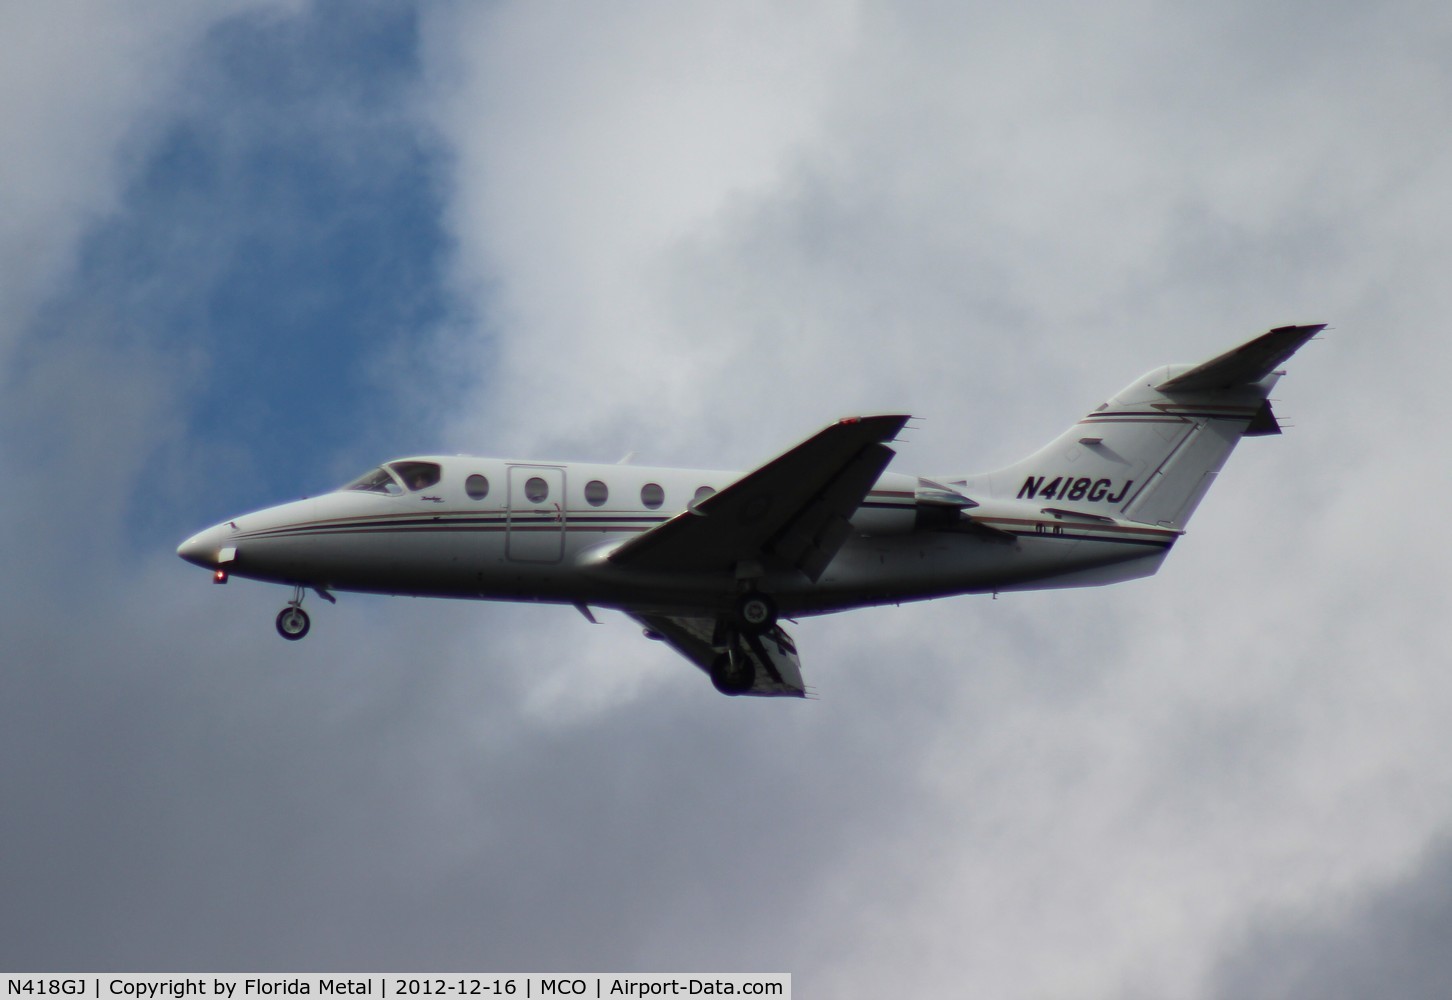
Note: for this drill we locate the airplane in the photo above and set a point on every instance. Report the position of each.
(712, 563)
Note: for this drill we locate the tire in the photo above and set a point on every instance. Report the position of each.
(733, 673)
(756, 612)
(293, 623)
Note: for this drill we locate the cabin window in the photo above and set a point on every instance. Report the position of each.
(417, 475)
(652, 496)
(596, 493)
(536, 489)
(376, 481)
(702, 493)
(477, 487)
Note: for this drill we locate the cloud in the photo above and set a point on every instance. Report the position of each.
(699, 235)
(997, 224)
(85, 82)
(193, 174)
(262, 283)
(558, 244)
(1390, 937)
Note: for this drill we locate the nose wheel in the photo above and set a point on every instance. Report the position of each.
(292, 621)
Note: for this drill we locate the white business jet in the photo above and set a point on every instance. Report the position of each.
(712, 562)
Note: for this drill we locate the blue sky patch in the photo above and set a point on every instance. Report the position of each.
(281, 248)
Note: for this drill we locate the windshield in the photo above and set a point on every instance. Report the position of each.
(396, 478)
(417, 475)
(376, 481)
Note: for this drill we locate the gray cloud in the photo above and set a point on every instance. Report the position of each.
(1392, 939)
(995, 225)
(698, 236)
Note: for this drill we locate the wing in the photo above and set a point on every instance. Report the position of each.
(791, 513)
(764, 665)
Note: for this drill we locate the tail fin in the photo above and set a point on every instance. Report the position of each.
(1152, 451)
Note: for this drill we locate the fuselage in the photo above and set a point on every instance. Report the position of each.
(495, 529)
(711, 563)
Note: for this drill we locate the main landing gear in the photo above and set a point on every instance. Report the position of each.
(756, 612)
(734, 670)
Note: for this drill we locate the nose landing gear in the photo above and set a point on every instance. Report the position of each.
(292, 621)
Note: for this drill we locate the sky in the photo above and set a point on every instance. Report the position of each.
(250, 249)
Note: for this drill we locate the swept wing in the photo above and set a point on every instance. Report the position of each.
(792, 513)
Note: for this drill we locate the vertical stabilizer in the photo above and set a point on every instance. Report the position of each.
(1150, 453)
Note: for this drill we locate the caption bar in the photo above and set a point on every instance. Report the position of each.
(159, 986)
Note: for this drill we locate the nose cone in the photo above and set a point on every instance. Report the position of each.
(202, 549)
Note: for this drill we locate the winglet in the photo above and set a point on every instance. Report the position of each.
(1246, 364)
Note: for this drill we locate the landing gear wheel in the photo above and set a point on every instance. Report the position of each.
(733, 673)
(293, 623)
(756, 611)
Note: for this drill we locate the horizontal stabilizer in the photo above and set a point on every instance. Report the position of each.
(1246, 364)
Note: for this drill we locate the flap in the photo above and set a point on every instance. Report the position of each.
(702, 639)
(790, 513)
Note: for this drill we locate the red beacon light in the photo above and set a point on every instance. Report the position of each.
(227, 555)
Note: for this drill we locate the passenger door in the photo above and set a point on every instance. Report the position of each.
(536, 525)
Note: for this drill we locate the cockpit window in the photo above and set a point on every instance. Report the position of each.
(376, 481)
(417, 475)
